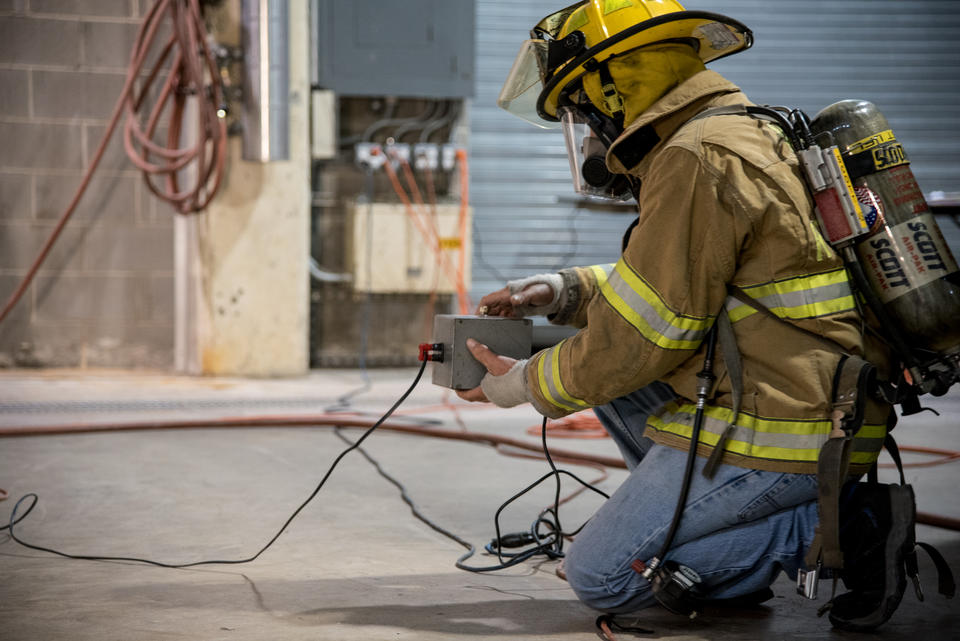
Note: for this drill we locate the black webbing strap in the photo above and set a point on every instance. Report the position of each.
(746, 299)
(945, 582)
(734, 365)
(832, 466)
(894, 451)
(853, 377)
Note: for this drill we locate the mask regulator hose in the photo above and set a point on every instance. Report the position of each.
(671, 582)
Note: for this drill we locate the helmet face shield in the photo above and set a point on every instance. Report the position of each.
(524, 83)
(587, 155)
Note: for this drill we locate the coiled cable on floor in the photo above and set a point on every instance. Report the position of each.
(192, 73)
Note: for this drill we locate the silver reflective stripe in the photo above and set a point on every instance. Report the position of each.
(798, 298)
(805, 298)
(640, 306)
(548, 375)
(780, 440)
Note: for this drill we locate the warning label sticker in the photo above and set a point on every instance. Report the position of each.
(719, 35)
(906, 257)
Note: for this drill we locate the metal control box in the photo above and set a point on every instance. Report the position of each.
(459, 370)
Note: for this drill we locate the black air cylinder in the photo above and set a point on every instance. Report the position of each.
(904, 255)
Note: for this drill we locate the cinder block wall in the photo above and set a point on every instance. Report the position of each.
(104, 297)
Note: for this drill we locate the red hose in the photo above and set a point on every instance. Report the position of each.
(186, 76)
(342, 420)
(318, 420)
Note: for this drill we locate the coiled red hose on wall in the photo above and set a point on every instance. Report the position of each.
(148, 96)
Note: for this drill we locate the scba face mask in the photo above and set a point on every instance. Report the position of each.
(587, 155)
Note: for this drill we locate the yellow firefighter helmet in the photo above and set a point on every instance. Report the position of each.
(592, 31)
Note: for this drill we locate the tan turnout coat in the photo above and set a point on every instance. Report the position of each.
(722, 202)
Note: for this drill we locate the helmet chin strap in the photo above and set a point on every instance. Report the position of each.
(607, 129)
(611, 97)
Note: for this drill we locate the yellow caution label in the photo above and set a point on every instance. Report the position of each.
(848, 185)
(889, 156)
(450, 243)
(872, 141)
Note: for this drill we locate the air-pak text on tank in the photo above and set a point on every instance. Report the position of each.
(926, 246)
(906, 257)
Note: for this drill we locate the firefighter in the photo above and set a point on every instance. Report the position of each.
(721, 203)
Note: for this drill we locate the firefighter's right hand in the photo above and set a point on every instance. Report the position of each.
(532, 296)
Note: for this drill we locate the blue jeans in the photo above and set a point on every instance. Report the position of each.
(738, 531)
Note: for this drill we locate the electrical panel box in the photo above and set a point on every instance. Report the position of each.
(415, 48)
(459, 369)
(389, 253)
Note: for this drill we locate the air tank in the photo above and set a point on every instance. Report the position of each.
(904, 255)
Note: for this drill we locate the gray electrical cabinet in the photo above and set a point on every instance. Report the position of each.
(415, 48)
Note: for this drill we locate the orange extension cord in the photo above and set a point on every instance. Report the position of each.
(191, 67)
(426, 223)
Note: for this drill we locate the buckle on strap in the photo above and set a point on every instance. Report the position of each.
(852, 381)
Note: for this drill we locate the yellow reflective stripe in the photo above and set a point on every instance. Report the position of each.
(823, 249)
(650, 295)
(563, 392)
(799, 298)
(763, 425)
(872, 431)
(737, 310)
(864, 457)
(812, 310)
(601, 272)
(641, 306)
(762, 437)
(744, 448)
(797, 284)
(548, 380)
(542, 381)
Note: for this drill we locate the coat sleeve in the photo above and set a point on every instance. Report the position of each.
(581, 285)
(653, 310)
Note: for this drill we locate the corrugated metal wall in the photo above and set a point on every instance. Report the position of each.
(903, 56)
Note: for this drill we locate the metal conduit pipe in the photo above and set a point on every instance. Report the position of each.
(266, 79)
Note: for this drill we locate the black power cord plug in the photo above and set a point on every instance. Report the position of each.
(513, 540)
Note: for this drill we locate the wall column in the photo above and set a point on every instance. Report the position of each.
(248, 305)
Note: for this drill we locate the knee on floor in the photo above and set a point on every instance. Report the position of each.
(624, 592)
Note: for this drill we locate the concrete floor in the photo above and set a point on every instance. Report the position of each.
(354, 564)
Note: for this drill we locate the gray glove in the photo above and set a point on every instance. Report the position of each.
(510, 390)
(507, 390)
(554, 281)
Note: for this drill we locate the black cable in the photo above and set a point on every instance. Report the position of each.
(359, 441)
(705, 382)
(9, 526)
(543, 547)
(404, 495)
(551, 545)
(556, 497)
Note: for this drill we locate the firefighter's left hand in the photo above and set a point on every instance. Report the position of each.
(496, 365)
